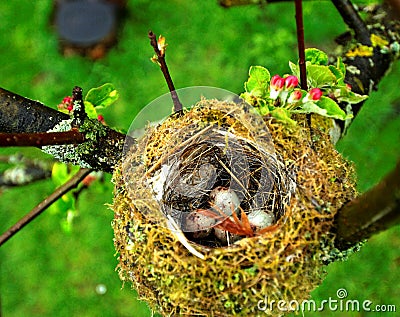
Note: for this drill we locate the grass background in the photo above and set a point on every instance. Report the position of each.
(48, 272)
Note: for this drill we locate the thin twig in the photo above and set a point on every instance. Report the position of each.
(165, 71)
(302, 55)
(351, 17)
(59, 192)
(300, 44)
(42, 138)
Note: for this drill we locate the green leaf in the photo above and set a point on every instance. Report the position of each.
(325, 107)
(311, 107)
(253, 100)
(263, 110)
(316, 56)
(59, 173)
(337, 72)
(283, 115)
(295, 69)
(319, 76)
(352, 97)
(258, 82)
(102, 96)
(332, 109)
(90, 110)
(341, 66)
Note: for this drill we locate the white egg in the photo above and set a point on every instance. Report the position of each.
(198, 224)
(260, 219)
(225, 200)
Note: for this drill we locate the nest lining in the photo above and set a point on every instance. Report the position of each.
(204, 156)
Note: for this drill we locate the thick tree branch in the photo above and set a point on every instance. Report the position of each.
(19, 114)
(353, 20)
(374, 211)
(366, 65)
(31, 123)
(24, 171)
(71, 184)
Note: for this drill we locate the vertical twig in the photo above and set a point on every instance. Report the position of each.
(71, 184)
(161, 60)
(300, 44)
(302, 54)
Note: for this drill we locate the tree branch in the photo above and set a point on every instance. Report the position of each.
(42, 138)
(352, 19)
(93, 145)
(71, 184)
(374, 211)
(366, 65)
(19, 114)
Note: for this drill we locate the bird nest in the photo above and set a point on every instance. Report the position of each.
(217, 209)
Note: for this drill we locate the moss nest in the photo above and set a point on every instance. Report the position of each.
(217, 209)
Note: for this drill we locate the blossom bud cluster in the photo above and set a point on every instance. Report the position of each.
(66, 104)
(285, 88)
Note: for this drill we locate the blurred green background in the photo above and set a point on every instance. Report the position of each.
(46, 271)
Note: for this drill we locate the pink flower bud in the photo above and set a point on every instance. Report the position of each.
(67, 100)
(70, 108)
(100, 118)
(277, 82)
(276, 85)
(348, 86)
(295, 96)
(291, 82)
(315, 94)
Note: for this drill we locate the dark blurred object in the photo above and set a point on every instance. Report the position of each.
(88, 27)
(395, 8)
